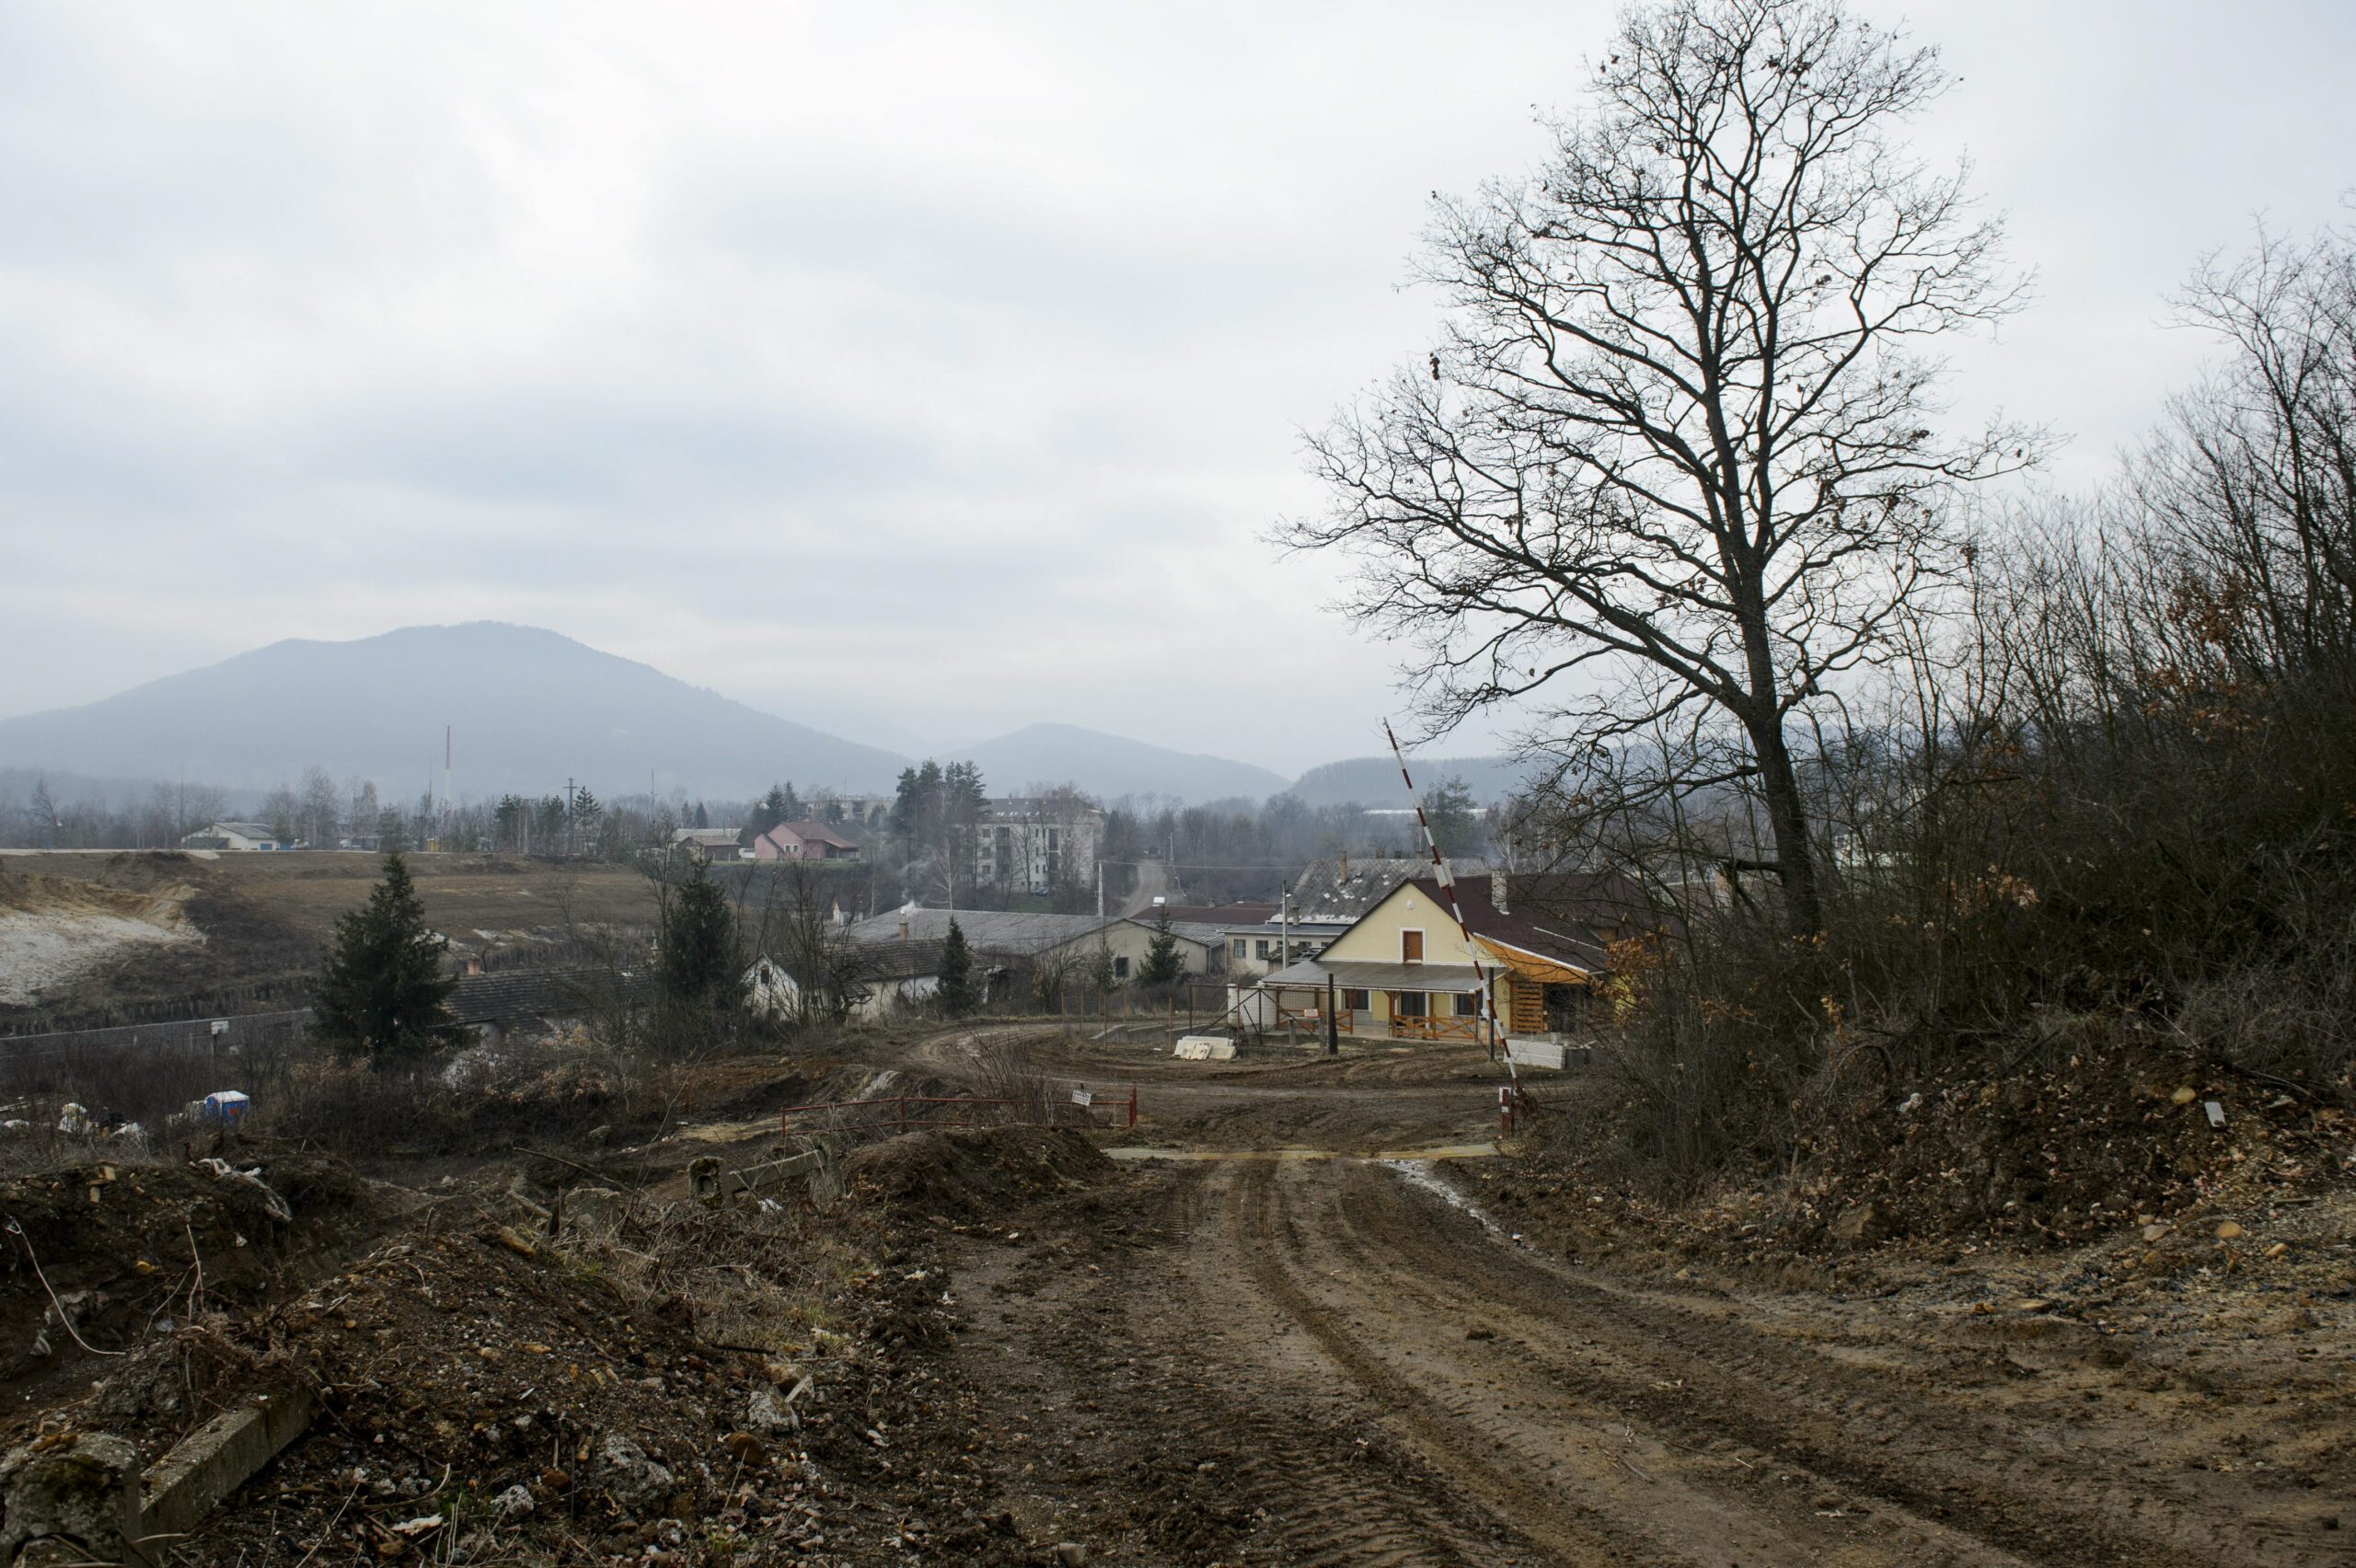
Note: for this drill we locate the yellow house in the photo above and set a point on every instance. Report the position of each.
(1406, 971)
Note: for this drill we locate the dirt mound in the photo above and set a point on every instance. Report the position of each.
(2038, 1156)
(531, 1405)
(966, 1172)
(122, 1247)
(2056, 1156)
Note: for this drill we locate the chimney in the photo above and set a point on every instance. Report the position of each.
(1497, 893)
(904, 928)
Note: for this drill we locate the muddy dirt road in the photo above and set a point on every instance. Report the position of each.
(1268, 1358)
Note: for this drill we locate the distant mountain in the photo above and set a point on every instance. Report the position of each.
(1374, 781)
(1109, 766)
(530, 709)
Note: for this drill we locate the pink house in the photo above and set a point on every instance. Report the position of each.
(804, 841)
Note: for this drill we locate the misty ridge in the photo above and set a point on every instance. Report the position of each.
(519, 702)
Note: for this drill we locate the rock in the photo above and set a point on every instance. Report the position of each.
(634, 1482)
(2184, 1096)
(594, 1211)
(1480, 1331)
(2278, 1249)
(2227, 1230)
(517, 1242)
(81, 1488)
(2153, 1231)
(1071, 1554)
(765, 1411)
(513, 1503)
(1861, 1225)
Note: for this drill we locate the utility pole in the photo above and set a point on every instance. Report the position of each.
(568, 819)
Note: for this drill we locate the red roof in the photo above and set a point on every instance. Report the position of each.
(812, 833)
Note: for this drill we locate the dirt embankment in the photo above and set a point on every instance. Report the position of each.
(56, 932)
(134, 927)
(99, 1253)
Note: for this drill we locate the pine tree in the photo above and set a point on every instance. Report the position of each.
(1163, 963)
(383, 991)
(697, 966)
(956, 990)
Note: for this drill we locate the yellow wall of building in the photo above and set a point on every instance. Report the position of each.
(1375, 938)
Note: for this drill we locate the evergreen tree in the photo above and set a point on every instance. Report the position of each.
(588, 812)
(698, 970)
(383, 990)
(703, 817)
(1454, 818)
(779, 805)
(957, 992)
(392, 832)
(1163, 963)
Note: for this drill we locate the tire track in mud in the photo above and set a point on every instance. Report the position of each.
(2031, 1489)
(1322, 1363)
(1329, 1499)
(1560, 1466)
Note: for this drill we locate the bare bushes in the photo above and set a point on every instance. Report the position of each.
(556, 1088)
(115, 1083)
(1003, 1070)
(2114, 780)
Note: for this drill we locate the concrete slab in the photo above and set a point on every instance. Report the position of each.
(1204, 1048)
(216, 1458)
(1550, 1054)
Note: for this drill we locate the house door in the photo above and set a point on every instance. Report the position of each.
(1411, 947)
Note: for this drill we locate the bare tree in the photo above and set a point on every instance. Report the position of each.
(321, 799)
(1679, 442)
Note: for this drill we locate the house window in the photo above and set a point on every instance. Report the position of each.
(1237, 947)
(1120, 967)
(1411, 947)
(1468, 1005)
(1409, 1004)
(1262, 947)
(1355, 1001)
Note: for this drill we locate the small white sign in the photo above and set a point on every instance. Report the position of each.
(220, 1026)
(1081, 1096)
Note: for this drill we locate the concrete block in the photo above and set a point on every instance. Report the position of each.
(1537, 1053)
(216, 1458)
(1204, 1048)
(76, 1492)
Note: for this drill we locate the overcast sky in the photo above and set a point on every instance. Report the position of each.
(915, 372)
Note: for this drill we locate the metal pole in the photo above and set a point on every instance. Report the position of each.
(1332, 1021)
(1447, 879)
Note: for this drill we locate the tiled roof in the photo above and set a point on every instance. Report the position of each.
(1345, 889)
(1000, 930)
